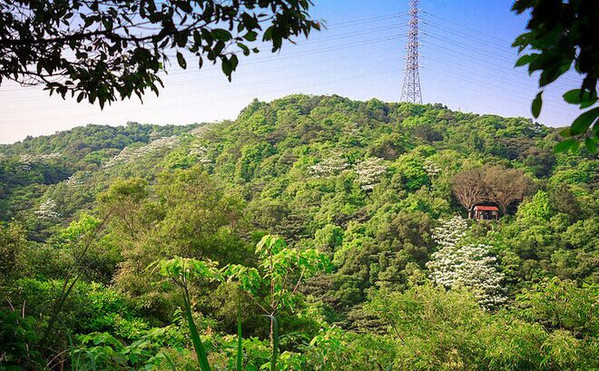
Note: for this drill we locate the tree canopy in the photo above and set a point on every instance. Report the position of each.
(108, 50)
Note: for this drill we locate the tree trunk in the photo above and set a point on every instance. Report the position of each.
(271, 329)
(503, 209)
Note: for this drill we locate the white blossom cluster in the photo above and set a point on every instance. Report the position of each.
(451, 231)
(128, 154)
(123, 156)
(328, 167)
(432, 170)
(47, 210)
(469, 265)
(154, 135)
(201, 153)
(370, 172)
(77, 179)
(28, 159)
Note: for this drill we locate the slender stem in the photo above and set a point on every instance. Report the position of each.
(275, 343)
(239, 340)
(299, 281)
(195, 336)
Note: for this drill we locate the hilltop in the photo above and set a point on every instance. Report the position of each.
(291, 132)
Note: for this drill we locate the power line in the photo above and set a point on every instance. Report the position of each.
(267, 69)
(476, 36)
(200, 86)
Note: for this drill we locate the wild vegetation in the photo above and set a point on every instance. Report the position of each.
(312, 233)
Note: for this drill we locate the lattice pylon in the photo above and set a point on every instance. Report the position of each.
(411, 91)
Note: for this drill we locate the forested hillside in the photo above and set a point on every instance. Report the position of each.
(338, 232)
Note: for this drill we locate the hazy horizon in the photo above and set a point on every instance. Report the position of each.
(234, 118)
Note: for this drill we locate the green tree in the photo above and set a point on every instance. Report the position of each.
(538, 207)
(104, 51)
(273, 286)
(560, 304)
(13, 248)
(328, 238)
(181, 271)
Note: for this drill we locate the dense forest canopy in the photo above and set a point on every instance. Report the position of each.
(339, 230)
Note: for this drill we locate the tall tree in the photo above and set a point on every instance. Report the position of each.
(104, 50)
(280, 273)
(469, 189)
(506, 186)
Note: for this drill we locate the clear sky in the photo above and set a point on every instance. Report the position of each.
(466, 64)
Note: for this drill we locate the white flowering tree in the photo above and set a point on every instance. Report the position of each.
(77, 179)
(27, 160)
(432, 170)
(47, 210)
(131, 154)
(370, 172)
(461, 264)
(201, 153)
(328, 167)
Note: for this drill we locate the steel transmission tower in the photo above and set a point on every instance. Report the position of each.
(411, 84)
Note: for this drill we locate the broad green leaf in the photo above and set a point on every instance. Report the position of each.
(221, 35)
(587, 104)
(585, 100)
(572, 96)
(234, 62)
(591, 145)
(584, 121)
(537, 104)
(181, 60)
(565, 133)
(525, 59)
(227, 67)
(565, 145)
(250, 36)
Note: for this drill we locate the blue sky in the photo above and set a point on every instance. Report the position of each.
(466, 64)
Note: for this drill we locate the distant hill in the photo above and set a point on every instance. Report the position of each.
(271, 144)
(30, 167)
